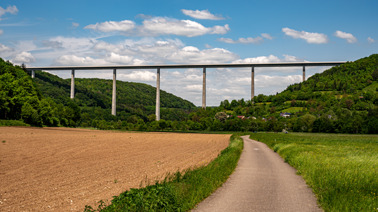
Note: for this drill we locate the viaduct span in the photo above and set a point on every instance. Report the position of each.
(158, 67)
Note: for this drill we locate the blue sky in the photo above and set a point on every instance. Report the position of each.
(84, 33)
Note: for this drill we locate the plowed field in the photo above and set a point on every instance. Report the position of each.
(64, 169)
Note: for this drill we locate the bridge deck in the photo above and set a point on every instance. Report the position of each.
(233, 65)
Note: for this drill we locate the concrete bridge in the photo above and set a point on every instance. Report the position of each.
(158, 67)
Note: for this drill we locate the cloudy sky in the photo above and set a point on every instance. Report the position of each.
(123, 32)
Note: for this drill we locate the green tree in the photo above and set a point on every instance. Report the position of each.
(306, 122)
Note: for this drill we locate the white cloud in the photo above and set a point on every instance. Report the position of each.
(110, 59)
(266, 81)
(119, 59)
(75, 25)
(4, 48)
(242, 40)
(370, 40)
(71, 43)
(256, 40)
(140, 75)
(111, 26)
(310, 37)
(201, 14)
(269, 59)
(188, 28)
(193, 55)
(196, 88)
(266, 36)
(219, 29)
(74, 60)
(26, 45)
(10, 9)
(347, 36)
(24, 57)
(159, 26)
(6, 52)
(273, 59)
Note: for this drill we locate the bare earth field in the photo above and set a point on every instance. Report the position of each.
(64, 169)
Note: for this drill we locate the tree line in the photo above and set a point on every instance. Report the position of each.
(342, 99)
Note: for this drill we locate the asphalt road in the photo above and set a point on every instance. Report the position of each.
(262, 181)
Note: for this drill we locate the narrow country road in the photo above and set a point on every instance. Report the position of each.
(262, 181)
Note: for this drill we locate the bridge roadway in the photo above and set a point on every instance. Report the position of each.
(177, 66)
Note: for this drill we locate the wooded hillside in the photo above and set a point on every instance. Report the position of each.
(94, 96)
(343, 99)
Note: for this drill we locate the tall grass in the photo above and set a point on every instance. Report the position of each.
(12, 123)
(181, 191)
(342, 170)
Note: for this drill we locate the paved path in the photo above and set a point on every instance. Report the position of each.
(262, 181)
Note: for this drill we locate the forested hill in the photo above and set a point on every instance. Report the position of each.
(21, 100)
(45, 100)
(349, 78)
(342, 99)
(94, 96)
(98, 92)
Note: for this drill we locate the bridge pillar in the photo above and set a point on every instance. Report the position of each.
(204, 89)
(157, 112)
(72, 83)
(114, 94)
(32, 74)
(252, 84)
(304, 73)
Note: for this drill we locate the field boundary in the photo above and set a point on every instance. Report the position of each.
(181, 191)
(340, 168)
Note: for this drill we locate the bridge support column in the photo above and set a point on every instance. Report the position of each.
(157, 112)
(304, 73)
(32, 74)
(72, 83)
(252, 84)
(114, 94)
(204, 89)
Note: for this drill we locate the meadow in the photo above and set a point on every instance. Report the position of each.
(340, 169)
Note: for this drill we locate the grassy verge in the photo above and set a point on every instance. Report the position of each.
(341, 169)
(12, 123)
(179, 192)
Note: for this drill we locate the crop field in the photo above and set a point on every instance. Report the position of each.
(65, 169)
(341, 169)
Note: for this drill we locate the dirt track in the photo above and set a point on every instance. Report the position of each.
(65, 169)
(262, 181)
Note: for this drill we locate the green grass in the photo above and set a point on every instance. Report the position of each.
(179, 192)
(297, 101)
(373, 87)
(262, 103)
(342, 170)
(12, 123)
(293, 110)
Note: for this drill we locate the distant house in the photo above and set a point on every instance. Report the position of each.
(241, 117)
(285, 115)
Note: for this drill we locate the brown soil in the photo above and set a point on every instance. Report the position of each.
(65, 169)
